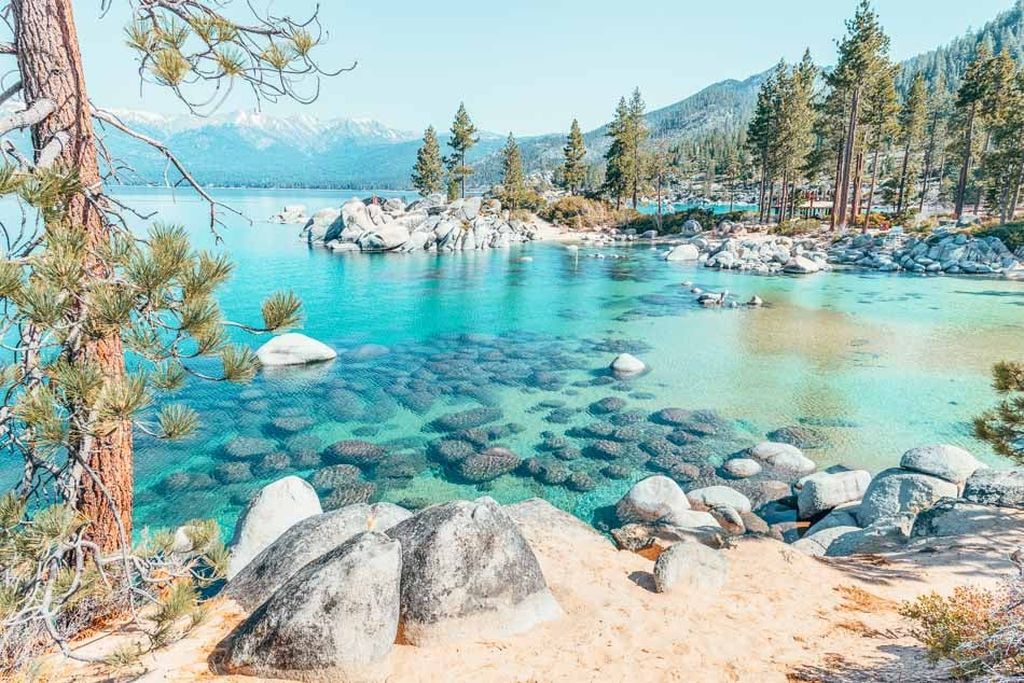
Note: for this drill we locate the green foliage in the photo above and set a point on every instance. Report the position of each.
(1003, 426)
(513, 183)
(463, 138)
(582, 213)
(1011, 234)
(625, 172)
(674, 222)
(574, 170)
(428, 173)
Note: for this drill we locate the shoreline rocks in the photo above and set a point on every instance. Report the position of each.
(429, 224)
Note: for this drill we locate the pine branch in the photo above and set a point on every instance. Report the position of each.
(34, 114)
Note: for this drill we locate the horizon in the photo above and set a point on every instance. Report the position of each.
(647, 59)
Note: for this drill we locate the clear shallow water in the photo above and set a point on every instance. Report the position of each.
(876, 363)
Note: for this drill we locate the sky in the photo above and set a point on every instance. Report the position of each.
(531, 66)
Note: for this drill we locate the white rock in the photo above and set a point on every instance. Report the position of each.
(825, 491)
(692, 567)
(626, 364)
(293, 348)
(655, 499)
(944, 461)
(684, 252)
(783, 457)
(801, 265)
(742, 468)
(273, 511)
(719, 496)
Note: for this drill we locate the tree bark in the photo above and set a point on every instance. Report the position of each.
(965, 166)
(51, 68)
(858, 187)
(871, 191)
(900, 197)
(836, 193)
(850, 143)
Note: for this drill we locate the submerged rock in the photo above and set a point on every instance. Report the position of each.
(783, 458)
(627, 365)
(273, 511)
(336, 618)
(468, 573)
(293, 348)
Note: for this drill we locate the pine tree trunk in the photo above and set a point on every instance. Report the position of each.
(771, 200)
(965, 166)
(50, 66)
(900, 197)
(785, 194)
(871, 191)
(760, 200)
(858, 187)
(977, 199)
(836, 193)
(462, 173)
(850, 143)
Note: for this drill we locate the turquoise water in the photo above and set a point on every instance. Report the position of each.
(713, 208)
(876, 363)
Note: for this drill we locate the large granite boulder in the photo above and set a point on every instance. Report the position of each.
(944, 461)
(824, 491)
(801, 265)
(275, 509)
(468, 573)
(1004, 488)
(324, 226)
(305, 542)
(336, 619)
(691, 567)
(293, 348)
(898, 494)
(950, 517)
(654, 500)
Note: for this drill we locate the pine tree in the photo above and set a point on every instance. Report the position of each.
(636, 138)
(463, 139)
(514, 190)
(760, 140)
(1003, 427)
(619, 160)
(973, 90)
(574, 171)
(863, 57)
(428, 173)
(880, 122)
(939, 105)
(913, 120)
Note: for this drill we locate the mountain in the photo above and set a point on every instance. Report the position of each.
(260, 150)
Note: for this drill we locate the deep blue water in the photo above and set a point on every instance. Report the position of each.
(876, 363)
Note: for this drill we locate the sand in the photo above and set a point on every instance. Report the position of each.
(783, 616)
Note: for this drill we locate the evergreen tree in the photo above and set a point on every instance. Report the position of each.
(619, 160)
(760, 140)
(463, 138)
(937, 130)
(913, 120)
(514, 190)
(1003, 427)
(428, 173)
(574, 171)
(636, 138)
(880, 123)
(973, 90)
(863, 58)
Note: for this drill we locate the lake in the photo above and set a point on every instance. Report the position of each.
(874, 363)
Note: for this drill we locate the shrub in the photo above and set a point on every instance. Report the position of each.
(979, 631)
(674, 222)
(1011, 234)
(803, 226)
(582, 213)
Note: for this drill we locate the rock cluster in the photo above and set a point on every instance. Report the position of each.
(939, 253)
(425, 225)
(329, 594)
(763, 256)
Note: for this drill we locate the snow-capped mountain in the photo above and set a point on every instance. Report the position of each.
(258, 149)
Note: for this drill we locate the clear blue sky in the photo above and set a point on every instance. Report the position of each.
(530, 66)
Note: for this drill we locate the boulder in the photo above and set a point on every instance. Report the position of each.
(944, 461)
(656, 499)
(950, 517)
(293, 348)
(1004, 488)
(691, 228)
(898, 494)
(742, 468)
(385, 237)
(323, 226)
(627, 365)
(305, 542)
(783, 458)
(844, 515)
(827, 542)
(468, 573)
(336, 619)
(683, 252)
(719, 496)
(691, 567)
(275, 509)
(824, 491)
(801, 265)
